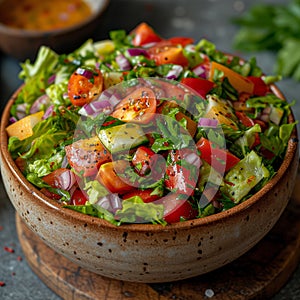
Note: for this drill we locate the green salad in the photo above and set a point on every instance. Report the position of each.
(144, 129)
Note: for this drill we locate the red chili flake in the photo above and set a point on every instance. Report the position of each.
(1, 228)
(13, 273)
(19, 258)
(2, 283)
(8, 249)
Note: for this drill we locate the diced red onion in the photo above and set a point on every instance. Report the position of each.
(206, 122)
(48, 112)
(193, 159)
(21, 111)
(265, 117)
(39, 103)
(110, 202)
(267, 110)
(174, 72)
(123, 62)
(64, 162)
(67, 180)
(200, 71)
(51, 79)
(12, 120)
(149, 45)
(110, 95)
(137, 51)
(84, 72)
(93, 108)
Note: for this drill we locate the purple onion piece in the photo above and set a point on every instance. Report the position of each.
(12, 120)
(137, 52)
(93, 108)
(86, 73)
(174, 72)
(68, 179)
(123, 62)
(39, 104)
(110, 202)
(51, 79)
(200, 71)
(206, 122)
(193, 159)
(48, 112)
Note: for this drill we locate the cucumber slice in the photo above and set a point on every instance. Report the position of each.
(122, 137)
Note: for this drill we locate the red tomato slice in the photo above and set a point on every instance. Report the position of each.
(84, 86)
(167, 53)
(179, 40)
(175, 208)
(260, 87)
(137, 107)
(85, 156)
(144, 34)
(142, 160)
(144, 194)
(246, 121)
(109, 175)
(199, 85)
(178, 177)
(220, 159)
(78, 197)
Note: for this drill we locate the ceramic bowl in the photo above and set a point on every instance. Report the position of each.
(23, 44)
(146, 252)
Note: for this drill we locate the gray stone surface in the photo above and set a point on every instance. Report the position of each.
(195, 18)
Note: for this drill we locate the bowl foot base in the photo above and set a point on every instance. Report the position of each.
(260, 273)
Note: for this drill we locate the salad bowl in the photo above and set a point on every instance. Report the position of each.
(145, 252)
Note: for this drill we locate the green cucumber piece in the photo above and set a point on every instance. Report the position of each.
(122, 137)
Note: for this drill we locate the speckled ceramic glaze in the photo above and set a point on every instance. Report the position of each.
(150, 253)
(24, 44)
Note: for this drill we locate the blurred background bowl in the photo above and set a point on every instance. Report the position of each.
(22, 44)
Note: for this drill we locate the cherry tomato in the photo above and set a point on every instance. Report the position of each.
(84, 86)
(200, 85)
(179, 177)
(179, 40)
(260, 87)
(137, 107)
(176, 208)
(142, 160)
(78, 197)
(85, 156)
(220, 159)
(144, 34)
(144, 194)
(110, 175)
(167, 53)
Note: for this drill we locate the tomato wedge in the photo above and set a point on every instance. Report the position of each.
(142, 160)
(109, 175)
(137, 107)
(144, 34)
(167, 53)
(176, 208)
(144, 194)
(260, 87)
(220, 159)
(199, 85)
(180, 40)
(179, 175)
(78, 197)
(84, 86)
(85, 156)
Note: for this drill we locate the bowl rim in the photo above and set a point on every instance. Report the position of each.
(12, 31)
(291, 152)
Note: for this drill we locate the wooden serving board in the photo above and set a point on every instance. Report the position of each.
(258, 274)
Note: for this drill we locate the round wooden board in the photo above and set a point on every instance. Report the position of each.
(258, 274)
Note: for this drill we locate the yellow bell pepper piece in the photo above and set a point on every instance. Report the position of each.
(239, 82)
(22, 129)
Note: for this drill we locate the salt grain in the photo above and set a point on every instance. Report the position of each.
(209, 293)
